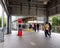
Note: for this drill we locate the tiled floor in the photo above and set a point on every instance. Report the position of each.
(31, 40)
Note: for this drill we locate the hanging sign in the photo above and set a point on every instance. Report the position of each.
(19, 20)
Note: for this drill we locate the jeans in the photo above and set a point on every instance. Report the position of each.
(47, 33)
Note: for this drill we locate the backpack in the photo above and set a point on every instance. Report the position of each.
(50, 27)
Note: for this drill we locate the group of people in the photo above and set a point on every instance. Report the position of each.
(34, 27)
(47, 29)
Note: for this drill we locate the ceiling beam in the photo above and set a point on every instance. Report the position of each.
(12, 2)
(18, 6)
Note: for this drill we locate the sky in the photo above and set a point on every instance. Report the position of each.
(15, 18)
(1, 12)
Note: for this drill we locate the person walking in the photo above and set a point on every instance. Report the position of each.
(37, 27)
(50, 27)
(46, 28)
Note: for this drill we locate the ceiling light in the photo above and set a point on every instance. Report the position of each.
(45, 2)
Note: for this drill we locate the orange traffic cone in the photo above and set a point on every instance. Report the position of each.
(19, 32)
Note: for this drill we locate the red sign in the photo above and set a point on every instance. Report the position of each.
(19, 20)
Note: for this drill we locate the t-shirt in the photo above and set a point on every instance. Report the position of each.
(46, 27)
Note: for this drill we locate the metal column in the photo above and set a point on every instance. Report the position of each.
(9, 24)
(47, 14)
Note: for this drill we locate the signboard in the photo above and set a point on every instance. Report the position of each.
(19, 20)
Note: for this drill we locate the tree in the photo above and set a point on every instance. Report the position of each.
(55, 21)
(1, 22)
(4, 22)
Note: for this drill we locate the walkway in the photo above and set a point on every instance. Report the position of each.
(31, 40)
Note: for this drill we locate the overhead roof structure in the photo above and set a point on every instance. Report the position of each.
(33, 7)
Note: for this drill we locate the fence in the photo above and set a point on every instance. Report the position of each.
(56, 29)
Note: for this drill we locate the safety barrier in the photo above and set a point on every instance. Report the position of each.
(29, 30)
(56, 29)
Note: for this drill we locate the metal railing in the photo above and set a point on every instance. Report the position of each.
(56, 29)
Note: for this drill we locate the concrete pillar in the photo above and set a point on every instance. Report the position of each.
(9, 24)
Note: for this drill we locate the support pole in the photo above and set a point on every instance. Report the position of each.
(47, 14)
(28, 8)
(9, 24)
(36, 9)
(21, 8)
